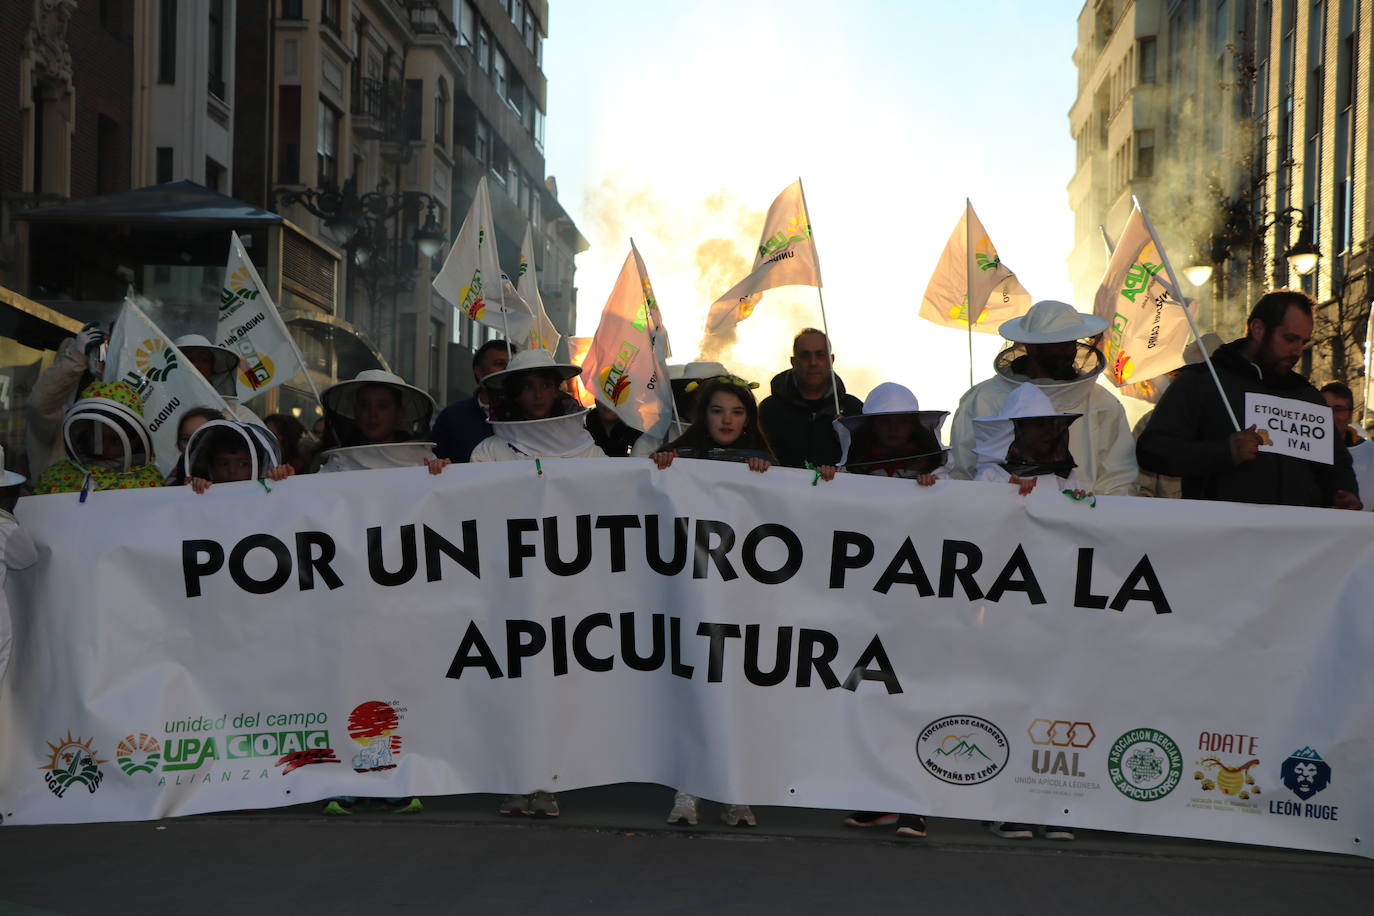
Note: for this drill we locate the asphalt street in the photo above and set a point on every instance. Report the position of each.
(611, 853)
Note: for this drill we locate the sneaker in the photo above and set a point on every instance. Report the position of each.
(544, 804)
(1010, 831)
(337, 807)
(410, 805)
(870, 819)
(1057, 833)
(684, 809)
(913, 825)
(735, 815)
(515, 806)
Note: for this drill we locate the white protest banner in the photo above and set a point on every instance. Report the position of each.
(626, 366)
(145, 359)
(956, 650)
(970, 275)
(786, 257)
(1147, 325)
(1298, 429)
(543, 334)
(250, 325)
(471, 275)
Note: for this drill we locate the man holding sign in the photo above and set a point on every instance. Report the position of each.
(1288, 453)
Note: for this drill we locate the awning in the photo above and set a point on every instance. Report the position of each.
(183, 203)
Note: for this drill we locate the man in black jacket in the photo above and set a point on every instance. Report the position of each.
(797, 415)
(1190, 435)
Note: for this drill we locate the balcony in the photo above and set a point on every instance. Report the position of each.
(376, 106)
(427, 17)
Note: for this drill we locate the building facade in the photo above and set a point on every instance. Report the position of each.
(1242, 125)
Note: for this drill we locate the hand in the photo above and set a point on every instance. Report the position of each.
(437, 465)
(1245, 445)
(92, 335)
(1024, 484)
(199, 484)
(280, 472)
(926, 480)
(1346, 500)
(828, 472)
(763, 464)
(664, 460)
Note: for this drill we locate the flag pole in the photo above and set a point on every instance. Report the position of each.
(820, 295)
(968, 282)
(1197, 335)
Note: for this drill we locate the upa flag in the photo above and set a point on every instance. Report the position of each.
(146, 360)
(250, 325)
(626, 365)
(543, 335)
(970, 279)
(786, 257)
(1147, 327)
(472, 272)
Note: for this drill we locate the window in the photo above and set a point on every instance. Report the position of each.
(329, 14)
(1147, 60)
(108, 156)
(214, 175)
(483, 142)
(436, 335)
(327, 145)
(167, 42)
(289, 129)
(517, 12)
(498, 72)
(1221, 27)
(538, 127)
(467, 24)
(483, 47)
(414, 108)
(217, 48)
(441, 112)
(1144, 153)
(164, 165)
(529, 32)
(112, 17)
(292, 9)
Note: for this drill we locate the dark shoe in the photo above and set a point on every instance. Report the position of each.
(870, 819)
(544, 804)
(912, 825)
(515, 806)
(1010, 831)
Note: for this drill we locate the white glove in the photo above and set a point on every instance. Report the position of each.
(92, 335)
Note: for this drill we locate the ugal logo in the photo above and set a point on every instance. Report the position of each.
(962, 750)
(73, 760)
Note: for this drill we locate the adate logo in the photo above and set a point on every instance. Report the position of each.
(962, 750)
(72, 761)
(1145, 764)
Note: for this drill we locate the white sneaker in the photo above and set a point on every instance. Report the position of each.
(1010, 831)
(735, 815)
(1053, 832)
(684, 809)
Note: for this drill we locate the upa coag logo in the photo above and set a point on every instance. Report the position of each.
(139, 753)
(614, 380)
(985, 255)
(72, 761)
(155, 358)
(798, 230)
(239, 289)
(962, 750)
(1145, 764)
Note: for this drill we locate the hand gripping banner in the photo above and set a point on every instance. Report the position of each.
(1155, 666)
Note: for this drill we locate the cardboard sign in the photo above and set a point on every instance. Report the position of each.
(1299, 429)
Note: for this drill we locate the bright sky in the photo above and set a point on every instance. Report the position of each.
(679, 123)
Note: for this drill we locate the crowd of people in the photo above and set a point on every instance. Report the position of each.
(1042, 419)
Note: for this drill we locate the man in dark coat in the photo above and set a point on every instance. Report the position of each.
(1190, 435)
(463, 424)
(797, 416)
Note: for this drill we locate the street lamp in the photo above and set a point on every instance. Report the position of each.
(353, 220)
(1303, 256)
(430, 237)
(1197, 274)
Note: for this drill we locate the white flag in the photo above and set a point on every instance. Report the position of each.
(577, 355)
(250, 325)
(786, 257)
(970, 275)
(472, 272)
(543, 334)
(1148, 328)
(146, 360)
(626, 366)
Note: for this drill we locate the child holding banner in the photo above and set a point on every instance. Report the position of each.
(227, 451)
(1028, 439)
(377, 420)
(893, 437)
(533, 417)
(107, 443)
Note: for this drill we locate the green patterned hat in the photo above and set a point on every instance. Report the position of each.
(117, 392)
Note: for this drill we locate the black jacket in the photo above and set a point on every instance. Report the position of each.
(799, 430)
(1188, 436)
